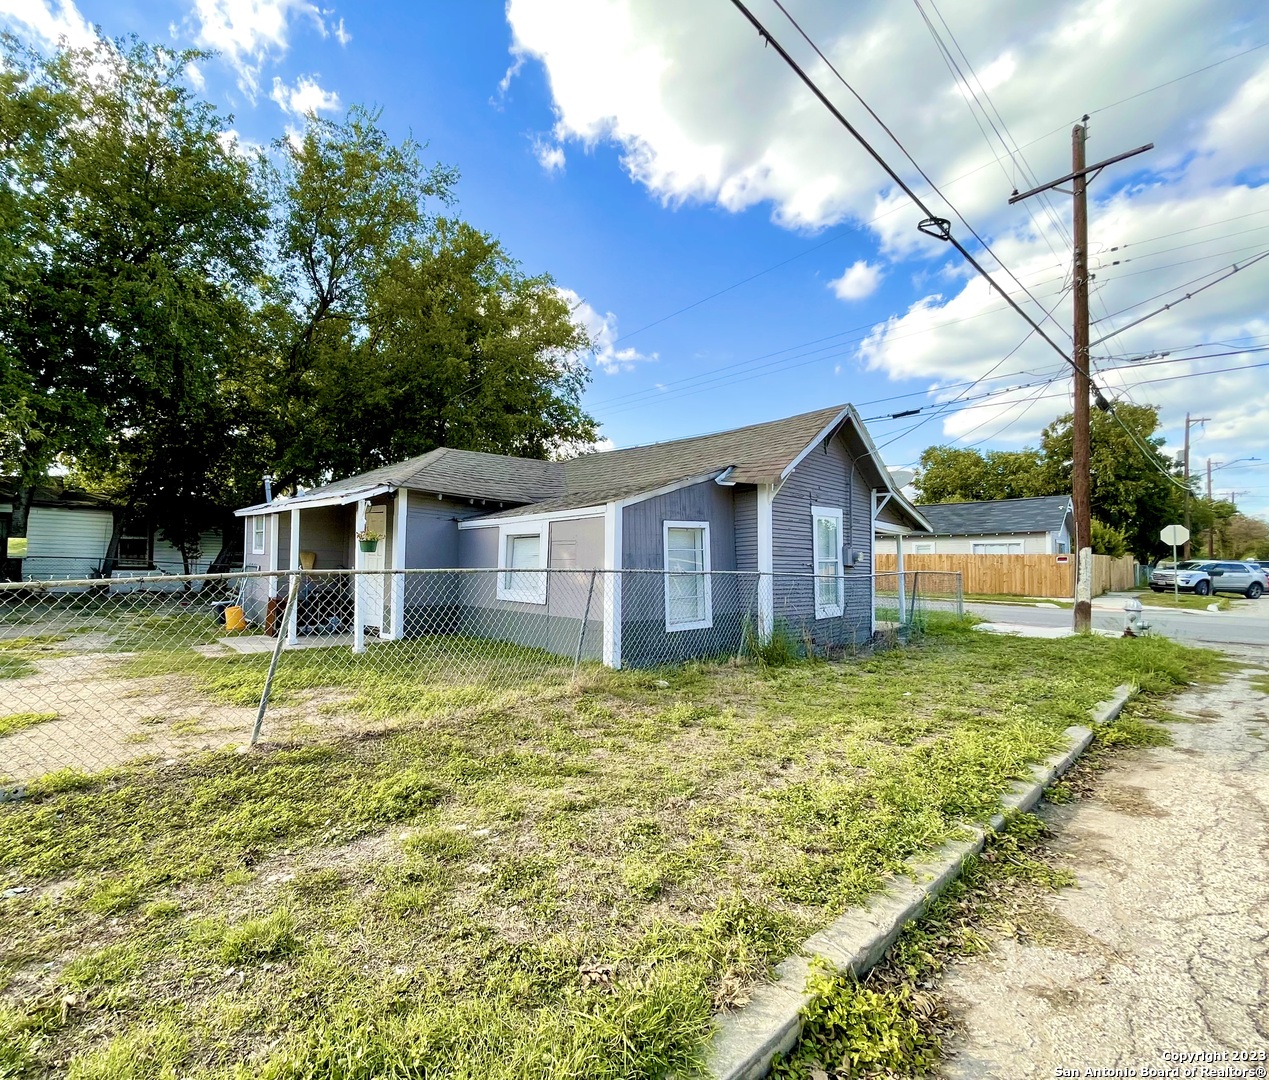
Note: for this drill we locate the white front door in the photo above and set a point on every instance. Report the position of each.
(372, 583)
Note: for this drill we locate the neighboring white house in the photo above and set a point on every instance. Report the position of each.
(68, 532)
(1041, 526)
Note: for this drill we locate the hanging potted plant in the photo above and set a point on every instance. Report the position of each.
(369, 539)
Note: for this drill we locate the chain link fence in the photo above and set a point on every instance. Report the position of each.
(97, 672)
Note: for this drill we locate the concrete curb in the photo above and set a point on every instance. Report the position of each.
(746, 1041)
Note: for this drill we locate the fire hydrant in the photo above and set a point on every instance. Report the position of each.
(1134, 624)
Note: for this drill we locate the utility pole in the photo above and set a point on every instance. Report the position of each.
(1185, 548)
(1081, 450)
(1211, 533)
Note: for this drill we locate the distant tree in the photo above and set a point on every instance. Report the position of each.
(1108, 541)
(1136, 488)
(949, 474)
(1240, 536)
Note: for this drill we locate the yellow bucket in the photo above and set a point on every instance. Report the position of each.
(235, 618)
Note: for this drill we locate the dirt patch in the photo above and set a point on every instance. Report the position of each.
(104, 718)
(1129, 799)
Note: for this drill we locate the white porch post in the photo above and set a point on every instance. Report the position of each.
(766, 563)
(292, 621)
(399, 519)
(612, 585)
(271, 549)
(359, 564)
(898, 543)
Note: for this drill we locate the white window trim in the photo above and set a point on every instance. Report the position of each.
(976, 544)
(522, 596)
(708, 621)
(258, 538)
(827, 611)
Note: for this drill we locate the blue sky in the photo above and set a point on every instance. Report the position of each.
(648, 154)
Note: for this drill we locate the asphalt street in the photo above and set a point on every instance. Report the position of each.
(1245, 624)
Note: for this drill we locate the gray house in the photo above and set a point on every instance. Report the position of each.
(1039, 526)
(765, 523)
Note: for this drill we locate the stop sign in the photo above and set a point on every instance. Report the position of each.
(1174, 535)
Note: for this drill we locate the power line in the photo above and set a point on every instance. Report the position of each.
(1166, 307)
(1179, 78)
(946, 184)
(937, 223)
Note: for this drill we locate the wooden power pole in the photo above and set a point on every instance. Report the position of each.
(1185, 549)
(1081, 450)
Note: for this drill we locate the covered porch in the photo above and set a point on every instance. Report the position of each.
(319, 537)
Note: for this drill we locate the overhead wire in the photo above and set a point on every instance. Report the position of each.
(931, 218)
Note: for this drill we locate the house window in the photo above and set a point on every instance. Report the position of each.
(134, 545)
(522, 579)
(257, 535)
(688, 605)
(998, 549)
(827, 535)
(924, 549)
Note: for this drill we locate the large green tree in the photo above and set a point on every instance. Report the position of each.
(152, 228)
(387, 330)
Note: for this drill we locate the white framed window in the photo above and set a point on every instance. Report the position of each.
(521, 560)
(924, 549)
(998, 548)
(826, 532)
(257, 535)
(688, 604)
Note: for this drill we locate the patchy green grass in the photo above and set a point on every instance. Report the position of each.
(16, 722)
(556, 880)
(994, 598)
(1183, 601)
(1260, 683)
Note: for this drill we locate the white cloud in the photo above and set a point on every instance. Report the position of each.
(305, 98)
(700, 112)
(858, 282)
(342, 35)
(50, 23)
(195, 75)
(550, 155)
(250, 32)
(603, 335)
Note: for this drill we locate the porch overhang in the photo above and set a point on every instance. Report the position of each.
(302, 502)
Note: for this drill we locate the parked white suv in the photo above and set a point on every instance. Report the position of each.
(1203, 577)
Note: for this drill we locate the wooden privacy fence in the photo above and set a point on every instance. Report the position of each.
(1019, 575)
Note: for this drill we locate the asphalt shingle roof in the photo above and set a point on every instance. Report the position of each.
(1043, 514)
(756, 454)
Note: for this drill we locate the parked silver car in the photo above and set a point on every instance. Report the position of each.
(1205, 576)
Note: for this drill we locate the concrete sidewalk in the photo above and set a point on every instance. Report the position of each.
(1168, 944)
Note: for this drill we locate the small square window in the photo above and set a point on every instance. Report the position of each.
(522, 578)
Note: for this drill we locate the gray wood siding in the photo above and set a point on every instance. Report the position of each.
(745, 504)
(431, 531)
(644, 638)
(827, 476)
(575, 546)
(643, 537)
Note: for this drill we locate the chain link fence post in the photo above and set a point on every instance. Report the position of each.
(281, 631)
(581, 630)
